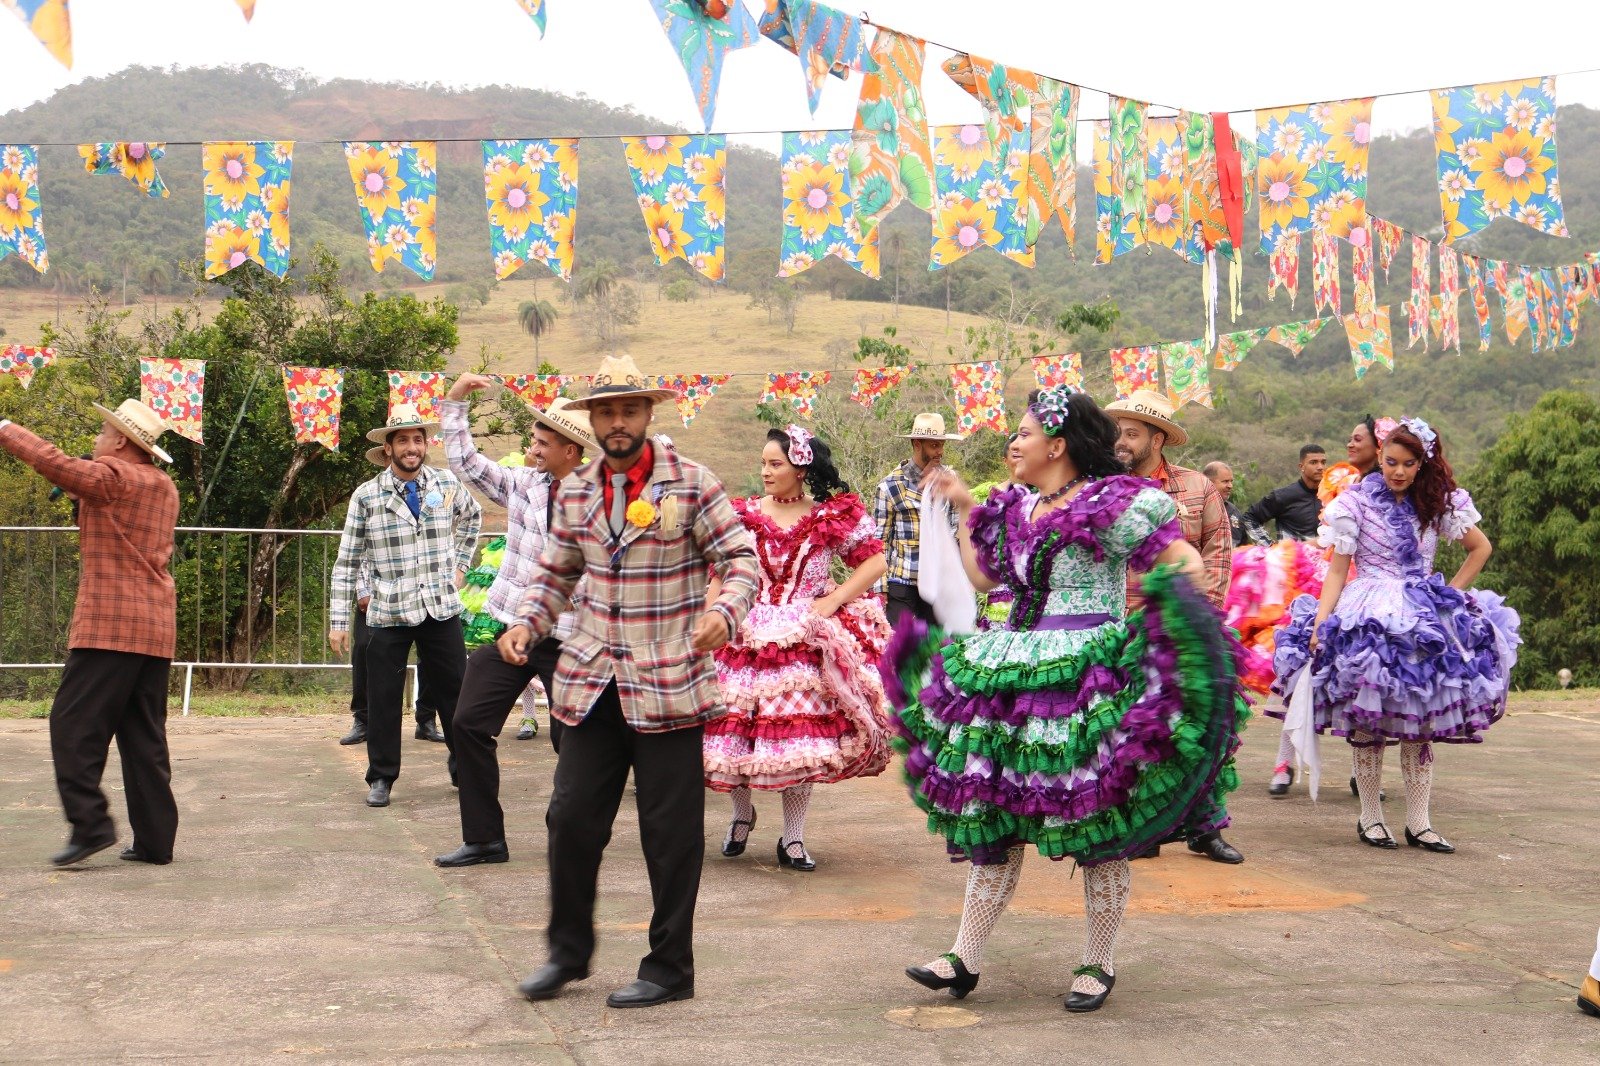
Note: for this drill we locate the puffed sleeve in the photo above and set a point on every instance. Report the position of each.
(1341, 522)
(1144, 529)
(861, 542)
(1460, 516)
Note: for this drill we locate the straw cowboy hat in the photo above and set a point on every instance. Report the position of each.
(558, 416)
(928, 426)
(619, 378)
(1153, 409)
(401, 416)
(136, 421)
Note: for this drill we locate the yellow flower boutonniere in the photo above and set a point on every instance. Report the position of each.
(641, 513)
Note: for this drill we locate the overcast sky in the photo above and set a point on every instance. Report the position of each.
(1204, 56)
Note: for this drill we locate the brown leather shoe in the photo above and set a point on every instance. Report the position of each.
(1589, 996)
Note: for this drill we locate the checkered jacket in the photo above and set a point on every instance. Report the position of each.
(895, 509)
(646, 590)
(126, 514)
(1204, 518)
(412, 562)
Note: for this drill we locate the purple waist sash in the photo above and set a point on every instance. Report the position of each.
(1071, 622)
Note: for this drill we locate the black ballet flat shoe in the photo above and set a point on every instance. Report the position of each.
(1277, 790)
(958, 986)
(731, 848)
(1385, 841)
(1441, 845)
(1083, 1002)
(805, 863)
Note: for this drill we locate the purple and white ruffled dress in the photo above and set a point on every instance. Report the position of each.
(1404, 656)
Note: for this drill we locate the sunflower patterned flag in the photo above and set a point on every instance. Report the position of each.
(1133, 369)
(827, 41)
(134, 160)
(799, 387)
(21, 214)
(1513, 300)
(818, 215)
(702, 42)
(1167, 189)
(531, 191)
(979, 199)
(1478, 287)
(247, 204)
(397, 189)
(538, 391)
(175, 389)
(1387, 238)
(1371, 343)
(1417, 306)
(1325, 271)
(980, 397)
(1058, 371)
(1449, 299)
(22, 361)
(1233, 347)
(1188, 379)
(1114, 230)
(535, 10)
(681, 190)
(693, 390)
(1361, 276)
(868, 385)
(315, 395)
(419, 388)
(1313, 168)
(1496, 146)
(50, 22)
(890, 159)
(1296, 335)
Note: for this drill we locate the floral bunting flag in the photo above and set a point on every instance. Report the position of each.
(702, 42)
(1133, 369)
(1417, 306)
(827, 41)
(397, 189)
(693, 391)
(21, 211)
(50, 22)
(1513, 300)
(1496, 145)
(1166, 205)
(175, 389)
(799, 387)
(1114, 231)
(1533, 294)
(1366, 293)
(979, 203)
(1325, 271)
(1283, 267)
(247, 204)
(134, 160)
(1296, 335)
(1449, 299)
(1058, 371)
(870, 384)
(1479, 290)
(530, 188)
(980, 397)
(1130, 151)
(1371, 343)
(681, 188)
(535, 10)
(818, 213)
(1313, 168)
(422, 390)
(538, 391)
(1205, 206)
(890, 159)
(1233, 347)
(1183, 364)
(1387, 236)
(1562, 277)
(248, 8)
(316, 397)
(22, 361)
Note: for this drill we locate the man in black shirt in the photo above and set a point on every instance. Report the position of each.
(1244, 530)
(1295, 507)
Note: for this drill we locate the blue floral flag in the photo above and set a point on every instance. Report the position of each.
(818, 214)
(247, 204)
(980, 196)
(1496, 145)
(535, 10)
(681, 189)
(397, 188)
(702, 42)
(134, 160)
(1313, 169)
(21, 215)
(827, 41)
(531, 191)
(50, 21)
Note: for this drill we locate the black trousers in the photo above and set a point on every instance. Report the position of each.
(106, 695)
(441, 655)
(488, 694)
(903, 600)
(425, 708)
(591, 774)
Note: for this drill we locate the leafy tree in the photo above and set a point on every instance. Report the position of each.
(681, 291)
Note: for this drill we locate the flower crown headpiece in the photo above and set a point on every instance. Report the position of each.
(1052, 408)
(799, 450)
(1416, 427)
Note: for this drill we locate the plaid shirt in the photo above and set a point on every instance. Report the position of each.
(895, 509)
(126, 598)
(1205, 525)
(412, 562)
(646, 591)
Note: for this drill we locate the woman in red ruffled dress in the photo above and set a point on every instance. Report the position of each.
(800, 677)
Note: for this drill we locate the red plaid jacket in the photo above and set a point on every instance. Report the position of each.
(643, 595)
(126, 514)
(1205, 525)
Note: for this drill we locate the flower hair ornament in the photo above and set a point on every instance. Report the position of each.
(1423, 432)
(1382, 428)
(799, 451)
(1052, 408)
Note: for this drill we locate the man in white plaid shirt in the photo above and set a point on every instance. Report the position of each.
(416, 528)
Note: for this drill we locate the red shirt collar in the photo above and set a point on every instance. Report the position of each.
(637, 474)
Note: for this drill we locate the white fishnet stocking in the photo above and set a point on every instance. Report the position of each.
(1416, 770)
(1105, 897)
(743, 811)
(1285, 758)
(1369, 779)
(989, 890)
(796, 801)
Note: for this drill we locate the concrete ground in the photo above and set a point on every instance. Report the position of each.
(298, 923)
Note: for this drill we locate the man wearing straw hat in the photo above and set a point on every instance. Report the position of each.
(1145, 427)
(414, 528)
(528, 493)
(123, 634)
(897, 511)
(635, 684)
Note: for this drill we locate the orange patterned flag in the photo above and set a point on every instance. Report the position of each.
(693, 391)
(1133, 369)
(980, 397)
(248, 7)
(799, 387)
(22, 361)
(1055, 371)
(869, 384)
(50, 22)
(175, 389)
(421, 389)
(538, 391)
(316, 396)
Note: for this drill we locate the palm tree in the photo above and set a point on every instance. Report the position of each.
(66, 279)
(597, 283)
(537, 317)
(153, 276)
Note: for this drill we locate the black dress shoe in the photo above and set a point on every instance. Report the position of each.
(1384, 841)
(357, 735)
(378, 795)
(429, 731)
(805, 863)
(1084, 1002)
(548, 980)
(473, 854)
(958, 986)
(731, 848)
(1152, 852)
(1213, 847)
(644, 993)
(1438, 843)
(78, 852)
(134, 853)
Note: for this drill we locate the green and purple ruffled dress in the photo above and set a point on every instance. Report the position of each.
(1074, 729)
